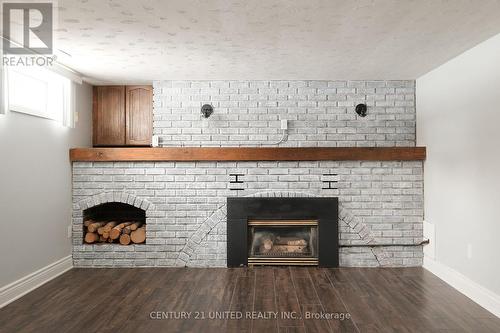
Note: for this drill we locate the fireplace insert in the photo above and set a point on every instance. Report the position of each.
(283, 242)
(282, 231)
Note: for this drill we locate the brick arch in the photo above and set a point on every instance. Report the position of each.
(219, 215)
(122, 197)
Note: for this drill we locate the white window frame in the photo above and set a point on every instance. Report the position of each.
(3, 102)
(42, 111)
(3, 88)
(67, 116)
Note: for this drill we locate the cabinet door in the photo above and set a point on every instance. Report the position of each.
(109, 116)
(139, 115)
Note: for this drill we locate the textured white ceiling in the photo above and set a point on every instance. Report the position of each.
(139, 41)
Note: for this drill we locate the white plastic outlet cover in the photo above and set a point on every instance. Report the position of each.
(155, 141)
(284, 124)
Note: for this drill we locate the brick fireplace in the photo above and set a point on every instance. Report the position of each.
(185, 203)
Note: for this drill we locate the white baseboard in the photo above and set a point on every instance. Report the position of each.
(24, 285)
(482, 296)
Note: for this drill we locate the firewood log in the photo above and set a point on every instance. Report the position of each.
(138, 236)
(106, 228)
(102, 239)
(128, 229)
(88, 222)
(94, 226)
(124, 239)
(267, 244)
(116, 231)
(301, 242)
(105, 235)
(289, 248)
(135, 225)
(290, 241)
(91, 237)
(110, 225)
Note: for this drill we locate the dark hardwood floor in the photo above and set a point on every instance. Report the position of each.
(124, 300)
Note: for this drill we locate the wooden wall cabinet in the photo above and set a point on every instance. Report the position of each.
(122, 116)
(139, 115)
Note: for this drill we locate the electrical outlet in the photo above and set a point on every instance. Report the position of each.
(284, 124)
(69, 231)
(156, 141)
(469, 251)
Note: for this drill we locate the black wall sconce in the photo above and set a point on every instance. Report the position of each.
(361, 110)
(207, 110)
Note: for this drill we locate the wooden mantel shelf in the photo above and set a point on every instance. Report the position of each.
(249, 154)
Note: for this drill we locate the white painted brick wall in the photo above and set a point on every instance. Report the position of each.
(320, 113)
(383, 201)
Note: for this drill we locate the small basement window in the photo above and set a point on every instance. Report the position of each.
(40, 92)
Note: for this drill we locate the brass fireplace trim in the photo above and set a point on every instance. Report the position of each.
(281, 223)
(252, 261)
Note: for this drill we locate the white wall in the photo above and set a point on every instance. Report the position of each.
(458, 119)
(35, 187)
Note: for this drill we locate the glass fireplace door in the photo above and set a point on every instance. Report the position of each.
(283, 242)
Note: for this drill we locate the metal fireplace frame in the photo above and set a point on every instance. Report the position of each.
(242, 210)
(280, 259)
